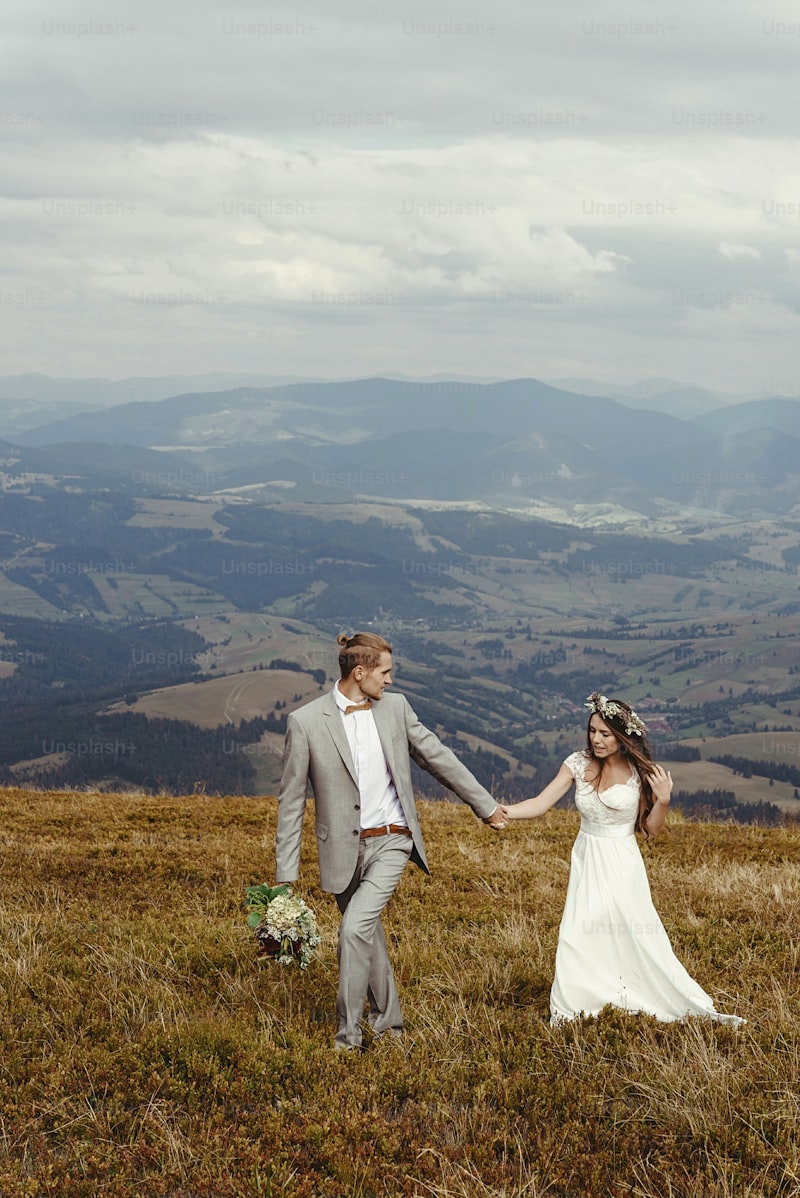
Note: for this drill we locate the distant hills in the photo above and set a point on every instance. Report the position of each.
(659, 395)
(518, 444)
(28, 400)
(776, 414)
(99, 392)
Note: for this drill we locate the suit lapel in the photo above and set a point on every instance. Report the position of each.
(382, 715)
(333, 722)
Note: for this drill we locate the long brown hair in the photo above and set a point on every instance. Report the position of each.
(633, 748)
(360, 649)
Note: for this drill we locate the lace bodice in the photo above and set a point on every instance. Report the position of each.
(618, 805)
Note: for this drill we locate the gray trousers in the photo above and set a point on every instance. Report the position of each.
(365, 972)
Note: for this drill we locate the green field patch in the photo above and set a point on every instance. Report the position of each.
(142, 595)
(782, 746)
(177, 513)
(16, 600)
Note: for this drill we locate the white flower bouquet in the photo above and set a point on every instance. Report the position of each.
(283, 924)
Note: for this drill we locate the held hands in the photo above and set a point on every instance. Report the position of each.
(497, 819)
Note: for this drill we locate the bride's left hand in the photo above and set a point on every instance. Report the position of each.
(661, 783)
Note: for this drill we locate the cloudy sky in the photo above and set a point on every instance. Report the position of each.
(341, 189)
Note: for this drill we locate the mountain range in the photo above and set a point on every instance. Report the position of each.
(515, 444)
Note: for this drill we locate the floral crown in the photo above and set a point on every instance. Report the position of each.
(608, 709)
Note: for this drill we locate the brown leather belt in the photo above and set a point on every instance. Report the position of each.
(399, 828)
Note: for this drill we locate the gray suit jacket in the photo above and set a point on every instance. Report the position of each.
(317, 751)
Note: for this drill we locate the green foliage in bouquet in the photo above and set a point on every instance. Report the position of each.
(258, 899)
(283, 924)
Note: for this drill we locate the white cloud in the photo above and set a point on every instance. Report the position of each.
(729, 250)
(518, 192)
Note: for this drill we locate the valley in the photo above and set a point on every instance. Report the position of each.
(145, 599)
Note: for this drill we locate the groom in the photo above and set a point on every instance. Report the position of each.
(355, 746)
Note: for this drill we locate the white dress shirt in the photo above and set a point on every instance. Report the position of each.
(379, 802)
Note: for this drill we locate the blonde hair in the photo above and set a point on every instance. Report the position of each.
(360, 649)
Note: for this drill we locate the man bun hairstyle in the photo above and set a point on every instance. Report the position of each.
(361, 649)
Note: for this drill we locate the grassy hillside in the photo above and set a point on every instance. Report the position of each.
(146, 1052)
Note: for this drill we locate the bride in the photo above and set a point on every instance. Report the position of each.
(612, 946)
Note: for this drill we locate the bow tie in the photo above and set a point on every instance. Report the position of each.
(365, 706)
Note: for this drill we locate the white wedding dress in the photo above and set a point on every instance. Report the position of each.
(612, 946)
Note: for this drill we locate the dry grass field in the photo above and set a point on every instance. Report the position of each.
(147, 1053)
